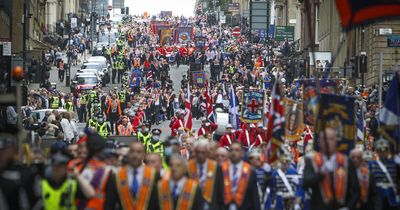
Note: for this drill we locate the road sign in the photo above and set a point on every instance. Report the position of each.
(233, 7)
(393, 41)
(223, 19)
(262, 33)
(110, 7)
(259, 15)
(236, 32)
(282, 32)
(6, 46)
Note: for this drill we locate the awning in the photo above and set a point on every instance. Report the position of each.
(38, 45)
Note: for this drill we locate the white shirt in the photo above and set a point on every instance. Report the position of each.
(68, 130)
(180, 184)
(239, 167)
(203, 172)
(12, 116)
(139, 176)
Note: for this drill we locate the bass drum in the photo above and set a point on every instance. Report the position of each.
(222, 121)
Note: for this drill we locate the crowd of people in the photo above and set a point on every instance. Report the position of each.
(214, 167)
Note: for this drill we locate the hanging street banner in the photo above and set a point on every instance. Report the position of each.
(165, 37)
(294, 126)
(283, 32)
(252, 106)
(183, 35)
(199, 78)
(355, 12)
(310, 96)
(337, 112)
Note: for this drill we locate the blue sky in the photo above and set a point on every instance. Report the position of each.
(178, 7)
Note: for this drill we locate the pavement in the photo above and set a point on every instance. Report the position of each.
(176, 76)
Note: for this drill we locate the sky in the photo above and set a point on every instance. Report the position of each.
(178, 7)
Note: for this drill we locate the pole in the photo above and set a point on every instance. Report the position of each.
(380, 80)
(24, 31)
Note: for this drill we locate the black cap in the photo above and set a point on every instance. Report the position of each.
(61, 157)
(95, 143)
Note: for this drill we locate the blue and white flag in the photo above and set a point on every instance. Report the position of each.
(233, 109)
(360, 122)
(389, 115)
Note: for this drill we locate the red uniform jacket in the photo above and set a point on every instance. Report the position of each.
(177, 124)
(204, 131)
(247, 138)
(227, 139)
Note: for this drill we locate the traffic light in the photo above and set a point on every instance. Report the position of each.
(362, 63)
(127, 10)
(123, 11)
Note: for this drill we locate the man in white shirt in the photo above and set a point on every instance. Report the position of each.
(12, 116)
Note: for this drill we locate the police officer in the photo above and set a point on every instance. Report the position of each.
(114, 70)
(155, 145)
(95, 108)
(103, 127)
(60, 191)
(92, 122)
(385, 172)
(144, 134)
(122, 98)
(121, 69)
(55, 102)
(69, 106)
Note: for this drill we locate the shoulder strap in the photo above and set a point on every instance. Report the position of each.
(384, 170)
(285, 181)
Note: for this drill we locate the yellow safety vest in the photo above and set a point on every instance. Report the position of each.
(69, 106)
(62, 198)
(84, 100)
(144, 139)
(156, 148)
(55, 103)
(121, 96)
(92, 123)
(102, 129)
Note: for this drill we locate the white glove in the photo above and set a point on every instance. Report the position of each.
(397, 159)
(297, 207)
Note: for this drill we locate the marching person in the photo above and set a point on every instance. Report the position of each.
(385, 172)
(125, 129)
(178, 123)
(133, 186)
(228, 138)
(247, 137)
(208, 175)
(369, 197)
(144, 134)
(179, 192)
(343, 191)
(240, 184)
(113, 111)
(103, 127)
(206, 128)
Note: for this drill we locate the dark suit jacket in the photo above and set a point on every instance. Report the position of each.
(312, 180)
(113, 201)
(197, 203)
(251, 200)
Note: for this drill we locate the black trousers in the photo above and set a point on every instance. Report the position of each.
(113, 75)
(61, 74)
(120, 73)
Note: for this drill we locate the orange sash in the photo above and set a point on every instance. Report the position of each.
(185, 200)
(143, 198)
(242, 184)
(364, 182)
(340, 178)
(210, 179)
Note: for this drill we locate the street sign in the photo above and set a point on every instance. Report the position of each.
(385, 31)
(6, 47)
(259, 15)
(110, 7)
(282, 32)
(236, 32)
(74, 22)
(262, 33)
(393, 41)
(223, 19)
(233, 7)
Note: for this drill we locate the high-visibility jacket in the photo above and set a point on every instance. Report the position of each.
(56, 103)
(143, 138)
(113, 106)
(69, 106)
(92, 95)
(121, 96)
(92, 123)
(121, 66)
(62, 198)
(103, 129)
(125, 130)
(157, 147)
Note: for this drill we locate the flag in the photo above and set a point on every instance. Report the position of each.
(355, 12)
(209, 109)
(360, 123)
(233, 109)
(188, 110)
(389, 115)
(149, 75)
(276, 124)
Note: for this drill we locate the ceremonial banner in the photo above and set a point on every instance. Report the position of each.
(165, 37)
(294, 126)
(252, 106)
(183, 34)
(156, 26)
(337, 112)
(310, 96)
(136, 76)
(199, 78)
(355, 12)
